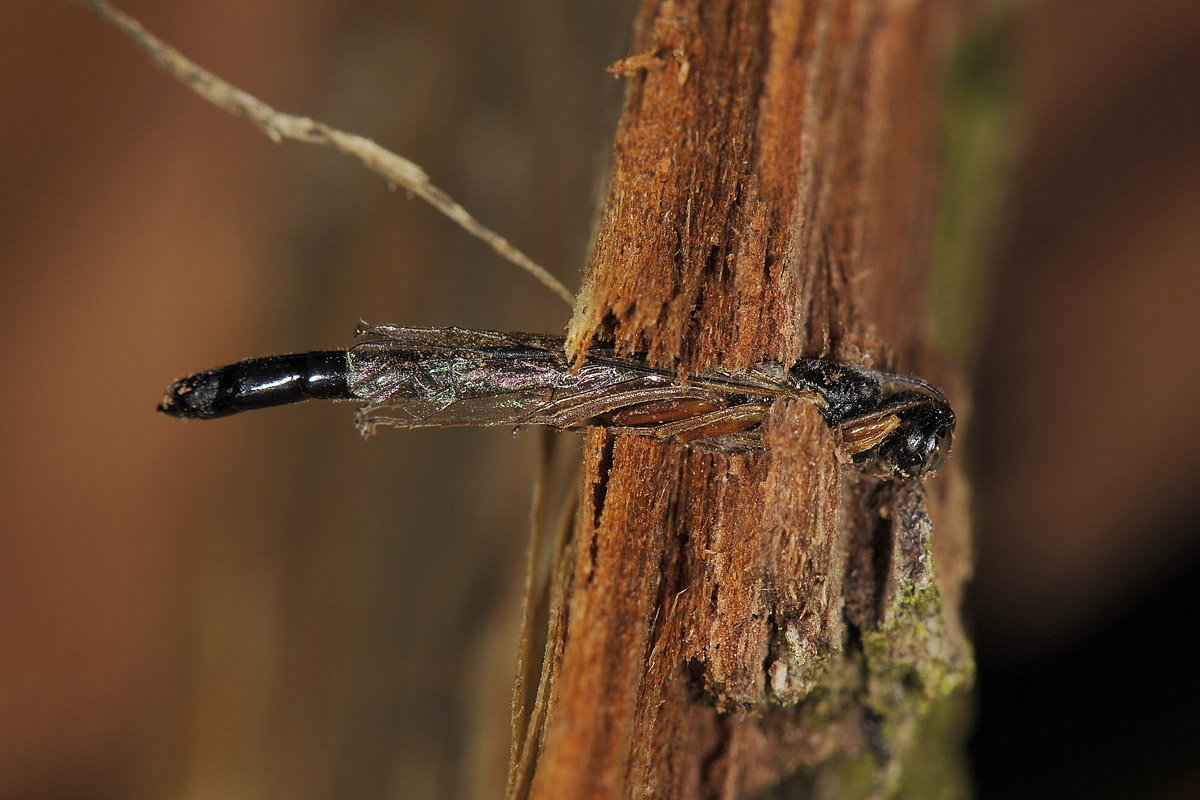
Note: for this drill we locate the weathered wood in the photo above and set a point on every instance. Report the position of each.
(733, 618)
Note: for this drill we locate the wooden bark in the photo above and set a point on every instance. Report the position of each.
(732, 622)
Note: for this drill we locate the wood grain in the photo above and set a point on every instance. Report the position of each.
(734, 620)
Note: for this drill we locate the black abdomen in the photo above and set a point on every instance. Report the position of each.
(259, 383)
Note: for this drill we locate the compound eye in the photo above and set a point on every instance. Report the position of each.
(938, 446)
(923, 446)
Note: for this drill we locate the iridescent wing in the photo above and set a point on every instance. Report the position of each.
(416, 377)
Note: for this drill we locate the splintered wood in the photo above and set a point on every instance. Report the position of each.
(732, 621)
(762, 145)
(677, 594)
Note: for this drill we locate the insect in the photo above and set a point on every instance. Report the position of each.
(419, 377)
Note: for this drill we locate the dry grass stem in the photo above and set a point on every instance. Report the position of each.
(399, 171)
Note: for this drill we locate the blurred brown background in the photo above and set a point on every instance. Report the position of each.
(1086, 457)
(280, 608)
(267, 606)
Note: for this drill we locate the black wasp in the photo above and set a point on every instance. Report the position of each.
(416, 377)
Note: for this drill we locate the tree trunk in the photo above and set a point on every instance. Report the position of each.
(727, 623)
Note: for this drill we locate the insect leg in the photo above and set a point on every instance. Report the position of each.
(866, 432)
(659, 411)
(578, 410)
(730, 419)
